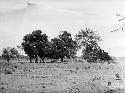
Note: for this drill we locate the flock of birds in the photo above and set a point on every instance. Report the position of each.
(122, 18)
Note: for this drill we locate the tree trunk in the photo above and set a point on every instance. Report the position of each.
(36, 59)
(40, 60)
(8, 59)
(30, 59)
(61, 59)
(43, 60)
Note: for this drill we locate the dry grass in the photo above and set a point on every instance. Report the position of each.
(74, 77)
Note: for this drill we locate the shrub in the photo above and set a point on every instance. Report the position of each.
(96, 54)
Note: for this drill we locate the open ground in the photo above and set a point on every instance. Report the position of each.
(67, 77)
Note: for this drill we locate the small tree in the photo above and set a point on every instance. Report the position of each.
(9, 53)
(14, 52)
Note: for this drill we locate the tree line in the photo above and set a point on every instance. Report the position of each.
(36, 45)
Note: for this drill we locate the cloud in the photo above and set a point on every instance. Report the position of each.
(10, 5)
(45, 12)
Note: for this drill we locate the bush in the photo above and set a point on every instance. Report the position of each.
(96, 54)
(7, 68)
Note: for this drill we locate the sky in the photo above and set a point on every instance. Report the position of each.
(21, 17)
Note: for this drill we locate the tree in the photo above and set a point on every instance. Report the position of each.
(88, 40)
(9, 53)
(14, 52)
(29, 46)
(34, 44)
(87, 37)
(43, 46)
(64, 45)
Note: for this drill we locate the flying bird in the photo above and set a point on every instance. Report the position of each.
(30, 4)
(122, 17)
(122, 28)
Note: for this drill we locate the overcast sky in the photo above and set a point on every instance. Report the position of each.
(20, 17)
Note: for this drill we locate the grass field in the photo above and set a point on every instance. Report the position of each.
(68, 77)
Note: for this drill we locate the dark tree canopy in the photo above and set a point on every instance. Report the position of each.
(64, 45)
(37, 44)
(94, 54)
(34, 43)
